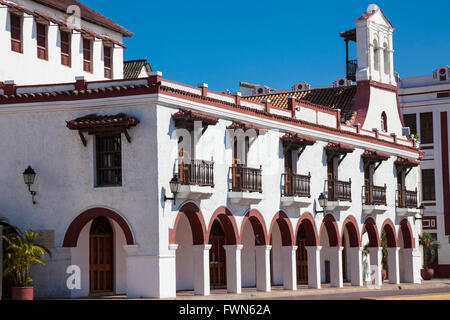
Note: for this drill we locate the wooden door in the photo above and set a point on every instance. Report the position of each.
(367, 184)
(331, 178)
(101, 257)
(302, 261)
(217, 258)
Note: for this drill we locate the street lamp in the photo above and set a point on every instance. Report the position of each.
(174, 188)
(29, 175)
(323, 202)
(421, 212)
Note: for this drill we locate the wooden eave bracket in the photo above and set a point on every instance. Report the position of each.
(94, 132)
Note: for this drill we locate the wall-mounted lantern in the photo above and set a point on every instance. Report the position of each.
(323, 202)
(29, 176)
(174, 188)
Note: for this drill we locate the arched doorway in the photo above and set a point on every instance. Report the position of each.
(97, 238)
(217, 257)
(302, 256)
(331, 254)
(390, 258)
(408, 265)
(352, 264)
(101, 250)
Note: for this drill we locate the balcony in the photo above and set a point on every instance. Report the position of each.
(339, 195)
(296, 191)
(246, 186)
(197, 179)
(407, 203)
(374, 199)
(352, 66)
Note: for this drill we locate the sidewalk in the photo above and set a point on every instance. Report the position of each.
(303, 290)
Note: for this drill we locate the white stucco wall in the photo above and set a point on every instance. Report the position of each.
(25, 68)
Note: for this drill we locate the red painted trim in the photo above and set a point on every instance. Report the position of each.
(419, 93)
(331, 227)
(370, 227)
(75, 228)
(389, 228)
(228, 223)
(353, 232)
(427, 148)
(362, 101)
(196, 222)
(284, 223)
(312, 237)
(258, 225)
(406, 231)
(445, 171)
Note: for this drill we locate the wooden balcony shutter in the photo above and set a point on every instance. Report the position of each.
(16, 33)
(41, 36)
(87, 55)
(108, 61)
(65, 49)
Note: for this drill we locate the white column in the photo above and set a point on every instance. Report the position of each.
(262, 254)
(337, 279)
(412, 261)
(314, 280)
(356, 266)
(290, 268)
(150, 275)
(393, 265)
(201, 270)
(376, 257)
(233, 258)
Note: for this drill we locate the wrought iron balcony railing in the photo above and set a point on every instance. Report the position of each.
(246, 179)
(339, 190)
(196, 172)
(374, 195)
(295, 185)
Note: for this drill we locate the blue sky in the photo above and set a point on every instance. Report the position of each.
(275, 43)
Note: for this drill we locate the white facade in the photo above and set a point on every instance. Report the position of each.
(26, 68)
(424, 95)
(162, 246)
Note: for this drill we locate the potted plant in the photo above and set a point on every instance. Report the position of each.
(429, 248)
(22, 252)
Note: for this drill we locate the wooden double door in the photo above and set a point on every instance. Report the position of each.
(101, 257)
(302, 261)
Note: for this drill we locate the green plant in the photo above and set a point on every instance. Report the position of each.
(384, 246)
(429, 247)
(22, 252)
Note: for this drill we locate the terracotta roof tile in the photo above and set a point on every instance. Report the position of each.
(335, 98)
(296, 139)
(100, 121)
(339, 147)
(375, 155)
(188, 115)
(132, 68)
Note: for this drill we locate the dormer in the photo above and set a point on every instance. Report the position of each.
(374, 44)
(442, 74)
(299, 86)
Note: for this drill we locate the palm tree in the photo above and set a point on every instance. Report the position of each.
(22, 252)
(429, 247)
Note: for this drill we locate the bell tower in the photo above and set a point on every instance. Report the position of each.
(374, 43)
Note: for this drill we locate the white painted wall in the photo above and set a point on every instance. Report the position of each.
(25, 68)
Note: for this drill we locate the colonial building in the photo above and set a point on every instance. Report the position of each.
(148, 186)
(425, 103)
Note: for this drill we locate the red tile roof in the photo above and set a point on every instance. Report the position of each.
(339, 147)
(375, 155)
(295, 139)
(188, 115)
(342, 98)
(407, 163)
(244, 126)
(94, 121)
(87, 14)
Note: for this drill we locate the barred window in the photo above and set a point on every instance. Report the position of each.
(426, 127)
(41, 35)
(65, 49)
(109, 161)
(16, 32)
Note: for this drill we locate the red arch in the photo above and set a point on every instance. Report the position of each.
(258, 225)
(77, 225)
(389, 228)
(196, 222)
(370, 227)
(226, 218)
(352, 229)
(312, 239)
(329, 223)
(408, 239)
(284, 223)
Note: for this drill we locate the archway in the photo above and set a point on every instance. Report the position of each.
(331, 254)
(97, 238)
(406, 244)
(189, 233)
(281, 239)
(255, 261)
(370, 240)
(306, 236)
(222, 231)
(351, 255)
(389, 254)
